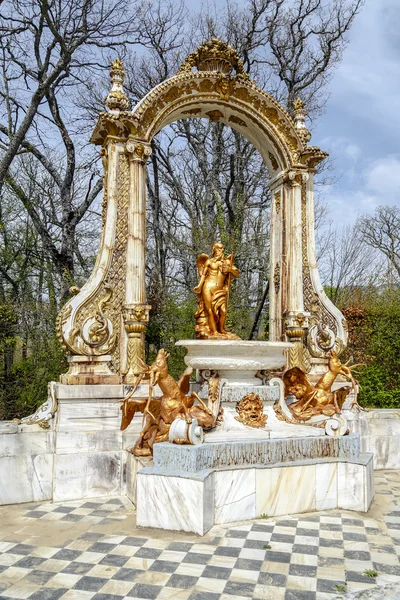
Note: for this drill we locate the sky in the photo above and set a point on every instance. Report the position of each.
(361, 126)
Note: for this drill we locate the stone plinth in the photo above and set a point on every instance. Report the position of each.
(236, 361)
(185, 501)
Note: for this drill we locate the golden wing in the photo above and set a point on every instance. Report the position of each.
(200, 262)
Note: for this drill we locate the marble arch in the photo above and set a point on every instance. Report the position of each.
(103, 326)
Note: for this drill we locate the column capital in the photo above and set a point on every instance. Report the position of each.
(297, 177)
(136, 313)
(138, 150)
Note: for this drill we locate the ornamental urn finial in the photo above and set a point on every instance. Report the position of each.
(215, 56)
(116, 100)
(299, 118)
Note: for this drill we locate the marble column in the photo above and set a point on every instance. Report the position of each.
(135, 311)
(276, 264)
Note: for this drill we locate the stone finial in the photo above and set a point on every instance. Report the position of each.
(299, 118)
(116, 100)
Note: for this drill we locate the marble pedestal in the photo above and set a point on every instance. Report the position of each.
(191, 490)
(237, 361)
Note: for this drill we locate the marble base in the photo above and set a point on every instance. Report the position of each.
(81, 455)
(196, 501)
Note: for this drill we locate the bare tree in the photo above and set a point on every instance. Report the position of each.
(382, 232)
(348, 265)
(47, 49)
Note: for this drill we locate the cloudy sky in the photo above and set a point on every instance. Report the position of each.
(361, 125)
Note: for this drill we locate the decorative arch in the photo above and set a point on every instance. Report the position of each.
(103, 326)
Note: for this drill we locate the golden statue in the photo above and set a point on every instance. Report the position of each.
(314, 400)
(213, 293)
(159, 413)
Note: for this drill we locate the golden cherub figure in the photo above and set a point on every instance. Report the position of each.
(215, 274)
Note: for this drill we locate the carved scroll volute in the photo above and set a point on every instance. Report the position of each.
(327, 326)
(84, 325)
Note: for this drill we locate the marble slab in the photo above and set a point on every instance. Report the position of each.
(235, 495)
(253, 452)
(326, 486)
(87, 475)
(285, 490)
(352, 486)
(84, 415)
(72, 442)
(88, 392)
(133, 465)
(28, 442)
(176, 503)
(26, 478)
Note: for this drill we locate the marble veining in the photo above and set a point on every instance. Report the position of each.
(174, 503)
(235, 495)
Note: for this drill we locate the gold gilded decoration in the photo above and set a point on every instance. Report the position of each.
(214, 115)
(104, 160)
(135, 319)
(202, 85)
(277, 198)
(299, 118)
(213, 293)
(215, 55)
(118, 65)
(180, 90)
(192, 111)
(298, 106)
(138, 312)
(277, 277)
(237, 121)
(62, 318)
(215, 385)
(96, 330)
(116, 99)
(251, 411)
(273, 160)
(299, 356)
(160, 413)
(313, 400)
(224, 86)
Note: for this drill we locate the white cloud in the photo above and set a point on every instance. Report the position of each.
(383, 177)
(363, 188)
(341, 145)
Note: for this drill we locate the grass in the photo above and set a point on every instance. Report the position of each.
(267, 547)
(264, 516)
(370, 573)
(341, 587)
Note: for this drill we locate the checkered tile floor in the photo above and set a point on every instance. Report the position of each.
(81, 550)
